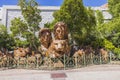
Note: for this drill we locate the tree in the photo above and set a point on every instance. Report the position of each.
(80, 20)
(100, 18)
(20, 32)
(114, 7)
(31, 14)
(111, 31)
(6, 40)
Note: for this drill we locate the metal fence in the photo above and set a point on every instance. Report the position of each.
(47, 63)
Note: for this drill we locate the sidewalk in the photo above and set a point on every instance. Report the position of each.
(96, 72)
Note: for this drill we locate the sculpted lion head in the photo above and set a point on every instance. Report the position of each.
(45, 37)
(57, 48)
(20, 52)
(60, 31)
(59, 45)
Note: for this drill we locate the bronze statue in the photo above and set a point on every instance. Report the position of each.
(57, 48)
(45, 38)
(60, 31)
(59, 45)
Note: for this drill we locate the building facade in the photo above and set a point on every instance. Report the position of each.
(9, 12)
(0, 15)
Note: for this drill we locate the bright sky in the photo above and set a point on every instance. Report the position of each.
(55, 2)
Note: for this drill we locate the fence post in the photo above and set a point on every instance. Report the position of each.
(76, 62)
(100, 58)
(84, 60)
(8, 61)
(91, 58)
(110, 56)
(37, 61)
(50, 63)
(18, 62)
(64, 61)
(27, 61)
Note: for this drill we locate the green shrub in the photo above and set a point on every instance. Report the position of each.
(117, 52)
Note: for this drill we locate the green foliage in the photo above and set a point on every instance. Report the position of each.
(31, 14)
(108, 45)
(117, 52)
(21, 43)
(20, 32)
(114, 33)
(114, 7)
(6, 40)
(97, 43)
(18, 27)
(111, 31)
(3, 30)
(47, 25)
(100, 18)
(80, 20)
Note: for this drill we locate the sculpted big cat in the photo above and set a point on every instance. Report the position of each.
(60, 31)
(21, 52)
(57, 48)
(45, 39)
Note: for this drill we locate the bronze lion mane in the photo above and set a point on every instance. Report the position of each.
(60, 31)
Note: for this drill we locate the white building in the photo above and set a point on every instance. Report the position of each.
(104, 9)
(0, 15)
(9, 12)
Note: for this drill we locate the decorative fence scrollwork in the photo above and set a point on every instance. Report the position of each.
(47, 63)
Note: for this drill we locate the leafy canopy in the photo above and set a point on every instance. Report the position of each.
(25, 30)
(114, 7)
(6, 40)
(80, 20)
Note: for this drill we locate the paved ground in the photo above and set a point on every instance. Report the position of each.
(96, 72)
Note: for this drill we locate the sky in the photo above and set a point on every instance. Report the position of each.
(91, 3)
